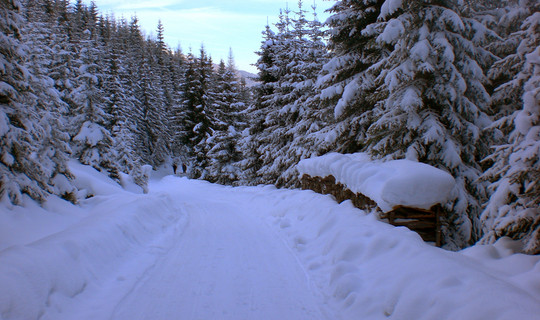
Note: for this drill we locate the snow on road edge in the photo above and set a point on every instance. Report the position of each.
(372, 270)
(45, 273)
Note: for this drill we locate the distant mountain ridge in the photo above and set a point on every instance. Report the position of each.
(251, 78)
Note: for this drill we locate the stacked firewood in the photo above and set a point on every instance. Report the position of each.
(424, 222)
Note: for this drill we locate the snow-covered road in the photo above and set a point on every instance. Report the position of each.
(225, 264)
(192, 250)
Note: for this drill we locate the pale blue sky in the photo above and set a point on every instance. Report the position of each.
(219, 24)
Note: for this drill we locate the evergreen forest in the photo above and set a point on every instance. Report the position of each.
(451, 83)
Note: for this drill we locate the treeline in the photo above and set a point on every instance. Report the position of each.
(79, 85)
(454, 84)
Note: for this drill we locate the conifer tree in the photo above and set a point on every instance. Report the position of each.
(296, 46)
(151, 111)
(513, 208)
(223, 151)
(119, 104)
(185, 113)
(268, 76)
(303, 106)
(26, 166)
(90, 117)
(178, 117)
(166, 84)
(123, 87)
(54, 150)
(347, 90)
(198, 118)
(436, 101)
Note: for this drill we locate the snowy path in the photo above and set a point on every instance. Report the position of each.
(224, 264)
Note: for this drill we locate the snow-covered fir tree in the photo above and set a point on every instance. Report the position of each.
(223, 151)
(347, 93)
(151, 110)
(278, 118)
(90, 115)
(513, 208)
(436, 101)
(27, 117)
(268, 77)
(305, 54)
(288, 66)
(179, 148)
(54, 148)
(119, 104)
(198, 118)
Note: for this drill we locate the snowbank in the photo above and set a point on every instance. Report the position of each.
(389, 184)
(69, 253)
(371, 270)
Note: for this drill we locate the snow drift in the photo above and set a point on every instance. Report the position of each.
(47, 272)
(371, 270)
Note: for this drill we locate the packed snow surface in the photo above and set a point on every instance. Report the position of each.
(390, 184)
(193, 250)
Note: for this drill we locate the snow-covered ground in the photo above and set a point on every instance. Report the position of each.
(193, 250)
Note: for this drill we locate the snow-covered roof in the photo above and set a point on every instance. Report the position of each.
(388, 183)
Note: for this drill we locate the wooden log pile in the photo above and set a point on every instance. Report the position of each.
(328, 185)
(424, 222)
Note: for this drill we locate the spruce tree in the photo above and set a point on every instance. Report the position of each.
(90, 119)
(300, 51)
(223, 151)
(151, 111)
(120, 105)
(347, 91)
(179, 117)
(26, 165)
(513, 208)
(304, 101)
(436, 102)
(198, 115)
(268, 75)
(166, 85)
(54, 149)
